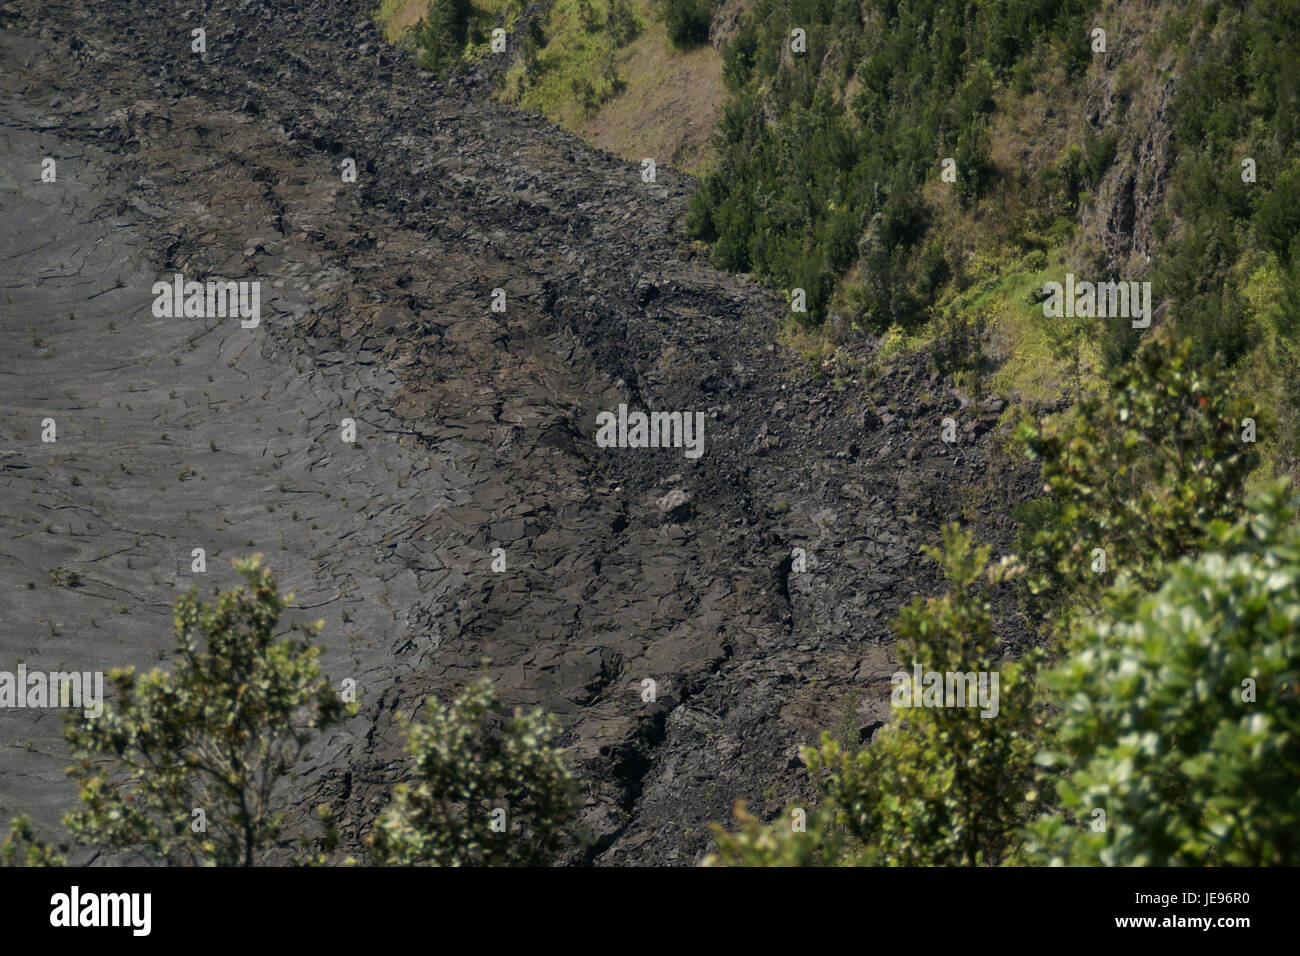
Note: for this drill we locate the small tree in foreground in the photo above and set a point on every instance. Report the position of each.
(490, 789)
(188, 766)
(1179, 736)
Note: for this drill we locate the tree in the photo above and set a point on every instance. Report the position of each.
(442, 33)
(688, 21)
(1138, 474)
(945, 783)
(489, 789)
(1180, 729)
(188, 767)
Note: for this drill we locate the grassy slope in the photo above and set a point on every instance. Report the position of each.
(397, 17)
(669, 106)
(644, 98)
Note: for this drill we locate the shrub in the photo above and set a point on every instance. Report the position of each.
(688, 21)
(1139, 473)
(489, 789)
(942, 784)
(442, 33)
(1180, 716)
(218, 735)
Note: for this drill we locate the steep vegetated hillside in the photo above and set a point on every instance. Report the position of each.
(1118, 142)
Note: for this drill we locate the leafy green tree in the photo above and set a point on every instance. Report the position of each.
(489, 789)
(942, 785)
(688, 21)
(190, 767)
(1179, 735)
(1138, 474)
(442, 33)
(22, 847)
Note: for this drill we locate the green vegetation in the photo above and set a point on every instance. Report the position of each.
(814, 180)
(190, 766)
(490, 789)
(1139, 474)
(1180, 719)
(22, 847)
(1167, 730)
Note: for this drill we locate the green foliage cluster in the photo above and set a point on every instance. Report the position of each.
(471, 761)
(688, 21)
(1139, 473)
(442, 33)
(218, 734)
(811, 181)
(1181, 712)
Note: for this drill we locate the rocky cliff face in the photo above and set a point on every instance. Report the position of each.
(475, 428)
(1121, 216)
